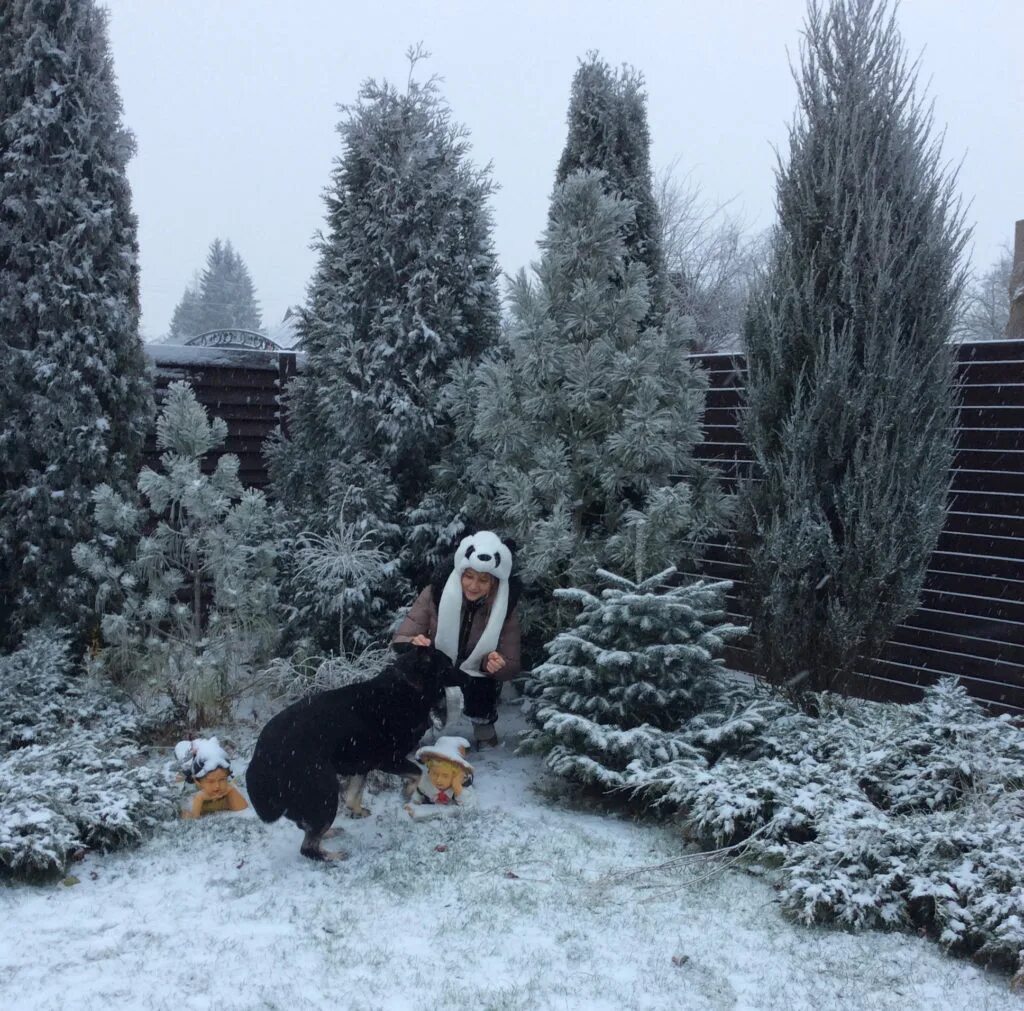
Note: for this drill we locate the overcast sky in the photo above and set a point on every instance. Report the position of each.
(234, 104)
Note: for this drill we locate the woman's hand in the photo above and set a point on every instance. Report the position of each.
(494, 662)
(420, 640)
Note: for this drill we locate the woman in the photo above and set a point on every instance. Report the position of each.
(470, 616)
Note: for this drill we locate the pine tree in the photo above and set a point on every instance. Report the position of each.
(608, 133)
(406, 286)
(849, 399)
(223, 299)
(636, 682)
(184, 580)
(75, 399)
(585, 421)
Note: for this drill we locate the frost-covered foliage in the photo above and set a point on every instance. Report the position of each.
(184, 579)
(406, 285)
(637, 682)
(70, 778)
(223, 298)
(334, 570)
(307, 673)
(877, 815)
(75, 400)
(850, 399)
(608, 133)
(584, 421)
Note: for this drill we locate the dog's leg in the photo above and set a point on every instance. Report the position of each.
(319, 808)
(354, 796)
(409, 786)
(312, 848)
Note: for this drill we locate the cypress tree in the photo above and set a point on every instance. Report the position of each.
(850, 400)
(608, 133)
(75, 398)
(406, 286)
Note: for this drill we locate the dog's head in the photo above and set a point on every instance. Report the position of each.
(427, 669)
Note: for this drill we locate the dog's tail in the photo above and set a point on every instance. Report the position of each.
(264, 787)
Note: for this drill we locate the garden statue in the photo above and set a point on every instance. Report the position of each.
(205, 763)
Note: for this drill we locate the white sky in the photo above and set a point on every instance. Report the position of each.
(234, 105)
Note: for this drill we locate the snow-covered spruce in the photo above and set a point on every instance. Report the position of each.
(877, 815)
(222, 297)
(69, 771)
(190, 607)
(637, 684)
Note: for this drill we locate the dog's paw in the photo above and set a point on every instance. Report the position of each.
(358, 812)
(322, 855)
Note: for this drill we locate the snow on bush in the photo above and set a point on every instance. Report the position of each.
(70, 772)
(185, 578)
(877, 815)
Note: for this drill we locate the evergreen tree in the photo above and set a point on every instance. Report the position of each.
(184, 581)
(636, 682)
(406, 285)
(584, 421)
(849, 399)
(223, 299)
(75, 398)
(187, 319)
(608, 133)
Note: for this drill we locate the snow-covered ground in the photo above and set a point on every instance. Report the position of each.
(518, 904)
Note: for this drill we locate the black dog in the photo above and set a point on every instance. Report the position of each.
(373, 724)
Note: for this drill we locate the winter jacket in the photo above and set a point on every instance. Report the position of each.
(422, 620)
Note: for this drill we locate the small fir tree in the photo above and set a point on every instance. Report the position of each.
(608, 133)
(406, 286)
(75, 399)
(585, 420)
(193, 608)
(850, 401)
(637, 681)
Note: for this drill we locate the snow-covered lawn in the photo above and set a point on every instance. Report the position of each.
(511, 906)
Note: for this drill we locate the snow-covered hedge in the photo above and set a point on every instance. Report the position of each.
(877, 815)
(70, 775)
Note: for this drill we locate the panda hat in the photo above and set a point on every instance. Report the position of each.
(483, 551)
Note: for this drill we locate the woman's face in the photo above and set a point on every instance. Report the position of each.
(476, 585)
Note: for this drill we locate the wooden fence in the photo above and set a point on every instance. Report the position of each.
(971, 619)
(241, 386)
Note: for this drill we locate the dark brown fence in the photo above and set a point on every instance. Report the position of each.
(241, 386)
(970, 621)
